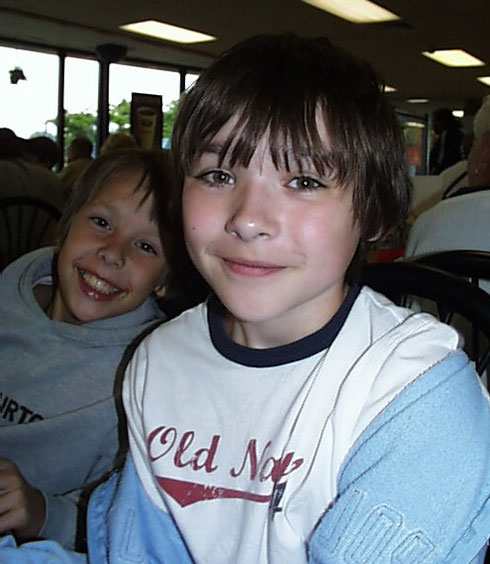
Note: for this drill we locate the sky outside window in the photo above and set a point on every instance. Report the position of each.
(28, 106)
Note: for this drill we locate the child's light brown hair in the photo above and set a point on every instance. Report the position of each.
(155, 177)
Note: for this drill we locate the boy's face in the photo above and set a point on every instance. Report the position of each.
(273, 244)
(112, 258)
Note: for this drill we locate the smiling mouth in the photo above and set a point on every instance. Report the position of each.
(98, 285)
(252, 269)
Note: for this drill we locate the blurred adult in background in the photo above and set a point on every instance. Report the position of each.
(41, 151)
(10, 144)
(79, 156)
(456, 176)
(119, 140)
(446, 150)
(19, 177)
(461, 220)
(428, 190)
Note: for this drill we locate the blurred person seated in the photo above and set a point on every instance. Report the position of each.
(118, 140)
(79, 156)
(10, 144)
(41, 151)
(428, 190)
(460, 221)
(456, 176)
(21, 178)
(446, 150)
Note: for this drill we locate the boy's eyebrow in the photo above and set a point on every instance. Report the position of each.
(286, 156)
(214, 148)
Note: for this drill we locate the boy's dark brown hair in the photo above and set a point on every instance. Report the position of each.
(281, 85)
(155, 177)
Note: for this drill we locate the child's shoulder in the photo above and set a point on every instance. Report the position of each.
(186, 325)
(383, 315)
(380, 329)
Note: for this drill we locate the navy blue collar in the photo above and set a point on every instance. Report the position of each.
(292, 352)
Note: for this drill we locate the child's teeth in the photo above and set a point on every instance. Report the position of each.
(99, 285)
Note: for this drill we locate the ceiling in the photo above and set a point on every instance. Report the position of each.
(394, 49)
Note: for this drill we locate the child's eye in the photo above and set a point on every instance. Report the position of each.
(100, 221)
(147, 248)
(305, 183)
(217, 178)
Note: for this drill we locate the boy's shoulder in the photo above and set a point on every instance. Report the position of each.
(186, 324)
(390, 346)
(383, 316)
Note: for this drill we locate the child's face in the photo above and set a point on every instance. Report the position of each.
(112, 258)
(273, 244)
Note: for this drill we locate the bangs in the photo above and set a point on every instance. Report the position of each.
(292, 130)
(316, 105)
(283, 88)
(144, 185)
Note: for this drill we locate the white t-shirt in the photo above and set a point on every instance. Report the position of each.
(243, 447)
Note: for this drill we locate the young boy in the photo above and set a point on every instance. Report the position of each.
(294, 417)
(68, 315)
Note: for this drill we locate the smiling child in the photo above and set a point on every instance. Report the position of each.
(68, 315)
(294, 416)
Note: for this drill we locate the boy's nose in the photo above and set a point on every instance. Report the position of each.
(112, 253)
(252, 215)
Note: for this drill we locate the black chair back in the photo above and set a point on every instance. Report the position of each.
(401, 281)
(26, 224)
(474, 265)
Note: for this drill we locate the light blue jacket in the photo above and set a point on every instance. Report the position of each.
(414, 488)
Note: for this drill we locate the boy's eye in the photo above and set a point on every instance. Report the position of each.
(305, 183)
(147, 248)
(217, 178)
(100, 221)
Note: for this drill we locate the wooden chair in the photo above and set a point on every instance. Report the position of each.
(26, 223)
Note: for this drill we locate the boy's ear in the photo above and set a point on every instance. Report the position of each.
(160, 290)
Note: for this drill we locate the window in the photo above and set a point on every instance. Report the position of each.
(29, 106)
(81, 99)
(126, 79)
(190, 78)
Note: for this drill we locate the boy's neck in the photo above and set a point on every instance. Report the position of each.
(270, 334)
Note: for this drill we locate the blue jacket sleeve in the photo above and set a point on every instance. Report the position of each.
(415, 487)
(42, 552)
(125, 526)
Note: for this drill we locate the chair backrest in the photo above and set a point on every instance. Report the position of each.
(474, 265)
(401, 281)
(26, 223)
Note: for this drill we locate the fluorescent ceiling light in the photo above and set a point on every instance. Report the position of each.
(167, 31)
(485, 80)
(418, 100)
(453, 58)
(356, 11)
(387, 88)
(416, 124)
(458, 113)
